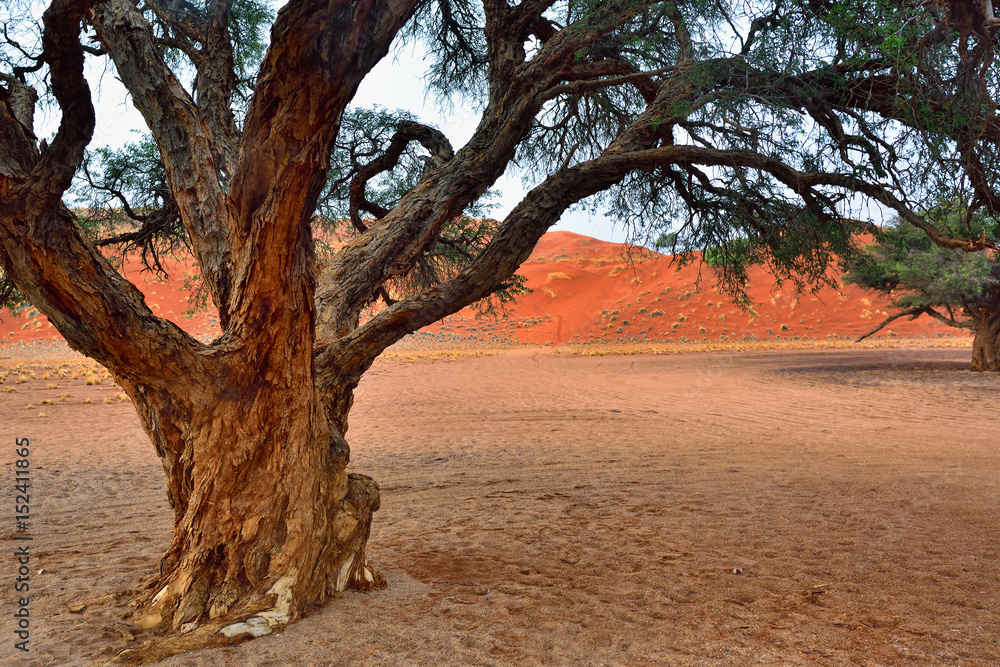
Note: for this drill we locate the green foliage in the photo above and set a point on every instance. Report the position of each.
(249, 22)
(735, 252)
(124, 203)
(666, 241)
(454, 34)
(915, 273)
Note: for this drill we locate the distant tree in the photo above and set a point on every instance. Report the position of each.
(718, 119)
(959, 289)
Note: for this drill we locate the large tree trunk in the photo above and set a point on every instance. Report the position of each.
(267, 520)
(986, 342)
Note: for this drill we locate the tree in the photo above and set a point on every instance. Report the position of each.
(762, 121)
(924, 279)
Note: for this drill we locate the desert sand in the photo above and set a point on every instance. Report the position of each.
(539, 507)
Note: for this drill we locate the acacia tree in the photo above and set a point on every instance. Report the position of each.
(764, 121)
(959, 289)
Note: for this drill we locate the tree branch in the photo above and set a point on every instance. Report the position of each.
(430, 138)
(392, 249)
(61, 49)
(186, 146)
(42, 249)
(913, 314)
(639, 79)
(320, 51)
(215, 83)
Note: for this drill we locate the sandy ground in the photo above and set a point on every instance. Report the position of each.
(812, 507)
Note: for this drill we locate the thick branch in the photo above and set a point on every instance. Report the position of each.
(53, 173)
(184, 141)
(320, 51)
(215, 83)
(22, 99)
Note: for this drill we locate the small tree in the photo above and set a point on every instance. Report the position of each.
(960, 289)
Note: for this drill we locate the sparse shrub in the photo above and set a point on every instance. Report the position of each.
(657, 313)
(558, 275)
(682, 318)
(784, 327)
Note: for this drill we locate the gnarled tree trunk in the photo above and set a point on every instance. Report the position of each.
(267, 520)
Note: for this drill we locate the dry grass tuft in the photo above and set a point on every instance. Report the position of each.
(558, 275)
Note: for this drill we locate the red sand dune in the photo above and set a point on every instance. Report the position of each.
(589, 291)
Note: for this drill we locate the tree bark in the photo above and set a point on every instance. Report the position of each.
(986, 342)
(267, 521)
